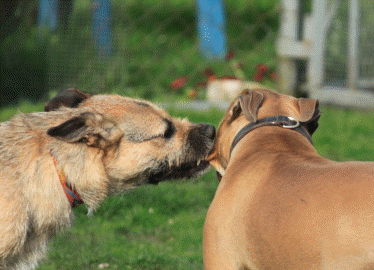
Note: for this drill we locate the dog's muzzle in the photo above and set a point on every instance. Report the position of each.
(209, 131)
(199, 145)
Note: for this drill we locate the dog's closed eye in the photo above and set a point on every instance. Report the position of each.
(170, 130)
(167, 134)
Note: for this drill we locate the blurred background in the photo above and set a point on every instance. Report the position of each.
(190, 53)
(133, 48)
(170, 49)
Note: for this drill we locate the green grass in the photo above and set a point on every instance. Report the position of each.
(24, 107)
(345, 134)
(153, 227)
(160, 227)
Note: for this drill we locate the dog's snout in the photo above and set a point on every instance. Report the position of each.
(209, 131)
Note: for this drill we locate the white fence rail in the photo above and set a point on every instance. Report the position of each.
(337, 46)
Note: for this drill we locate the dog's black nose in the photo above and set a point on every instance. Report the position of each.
(209, 131)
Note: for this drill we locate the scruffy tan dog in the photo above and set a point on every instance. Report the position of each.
(279, 204)
(102, 145)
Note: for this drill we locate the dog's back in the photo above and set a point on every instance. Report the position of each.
(25, 191)
(295, 216)
(279, 204)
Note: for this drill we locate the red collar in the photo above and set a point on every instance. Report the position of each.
(72, 195)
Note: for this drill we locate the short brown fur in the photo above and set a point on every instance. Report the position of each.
(279, 204)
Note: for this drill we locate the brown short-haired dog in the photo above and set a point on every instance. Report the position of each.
(101, 145)
(279, 204)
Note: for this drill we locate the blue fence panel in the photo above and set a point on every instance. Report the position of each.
(211, 28)
(101, 26)
(47, 15)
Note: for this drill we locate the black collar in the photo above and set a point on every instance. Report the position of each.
(279, 120)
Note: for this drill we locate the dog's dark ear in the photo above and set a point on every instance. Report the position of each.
(248, 102)
(309, 113)
(70, 98)
(90, 128)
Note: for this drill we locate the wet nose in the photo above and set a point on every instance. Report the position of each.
(209, 131)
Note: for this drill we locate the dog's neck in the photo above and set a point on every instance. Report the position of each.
(71, 194)
(273, 140)
(285, 122)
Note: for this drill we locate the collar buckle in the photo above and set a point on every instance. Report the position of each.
(294, 123)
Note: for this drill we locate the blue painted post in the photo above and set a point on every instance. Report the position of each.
(211, 28)
(101, 26)
(47, 15)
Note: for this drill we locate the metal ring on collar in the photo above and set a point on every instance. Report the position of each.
(292, 126)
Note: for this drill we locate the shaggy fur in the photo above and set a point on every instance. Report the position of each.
(107, 145)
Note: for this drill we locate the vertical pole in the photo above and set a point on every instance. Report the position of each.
(316, 68)
(47, 15)
(288, 34)
(65, 9)
(353, 44)
(101, 27)
(211, 28)
(300, 21)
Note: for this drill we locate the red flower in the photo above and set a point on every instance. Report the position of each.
(210, 74)
(179, 82)
(262, 68)
(229, 55)
(201, 85)
(259, 77)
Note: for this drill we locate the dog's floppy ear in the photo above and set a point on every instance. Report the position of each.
(309, 113)
(248, 102)
(90, 128)
(69, 98)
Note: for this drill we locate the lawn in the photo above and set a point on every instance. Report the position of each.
(160, 227)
